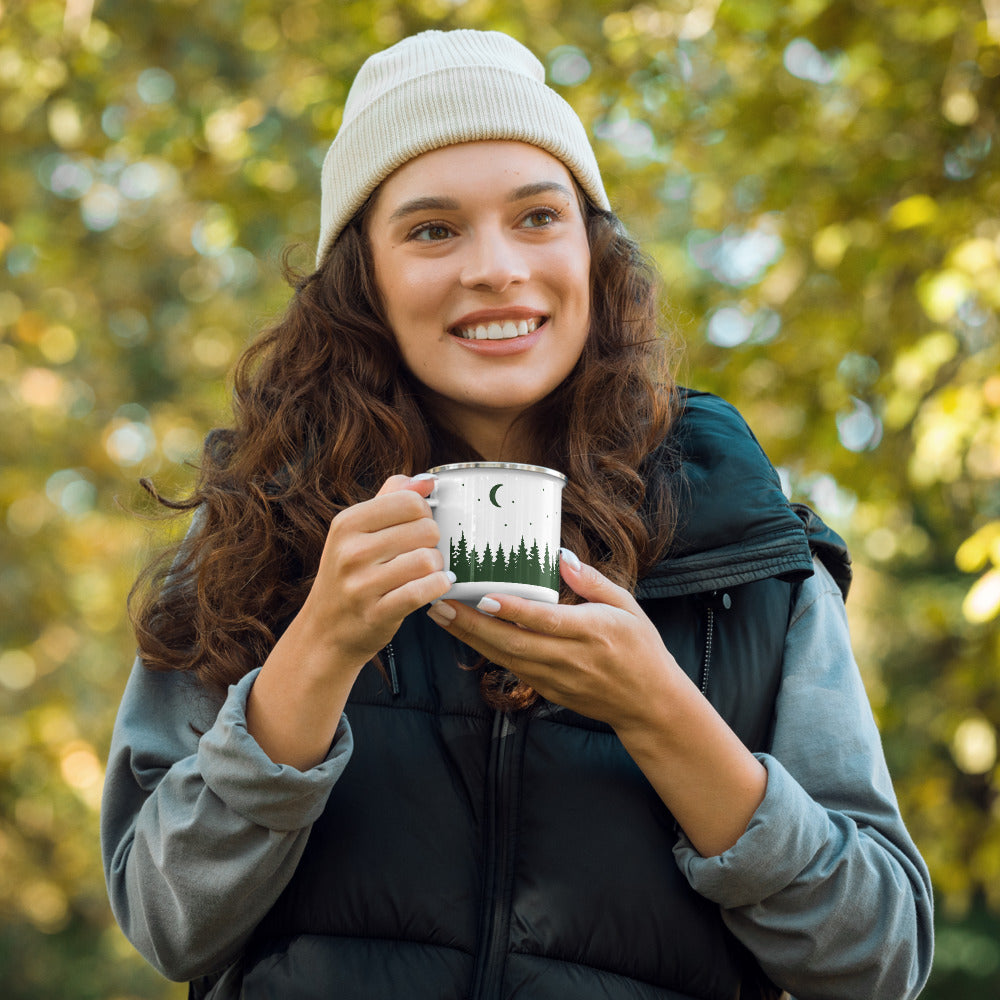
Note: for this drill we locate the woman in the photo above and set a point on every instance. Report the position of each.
(668, 785)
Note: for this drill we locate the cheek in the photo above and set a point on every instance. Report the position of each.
(574, 268)
(414, 292)
(577, 283)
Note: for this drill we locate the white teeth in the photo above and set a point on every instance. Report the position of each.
(507, 330)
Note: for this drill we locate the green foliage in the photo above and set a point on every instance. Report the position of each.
(817, 181)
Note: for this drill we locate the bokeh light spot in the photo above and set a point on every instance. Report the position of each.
(917, 210)
(44, 903)
(80, 766)
(729, 327)
(568, 65)
(804, 60)
(66, 178)
(128, 326)
(155, 85)
(982, 603)
(71, 491)
(100, 207)
(974, 745)
(129, 442)
(17, 670)
(58, 344)
(139, 181)
(65, 123)
(859, 429)
(26, 515)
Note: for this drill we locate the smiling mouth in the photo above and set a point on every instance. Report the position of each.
(507, 330)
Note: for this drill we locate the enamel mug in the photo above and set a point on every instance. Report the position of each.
(500, 528)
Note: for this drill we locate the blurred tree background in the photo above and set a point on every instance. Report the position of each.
(818, 182)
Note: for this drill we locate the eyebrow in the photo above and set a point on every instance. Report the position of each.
(541, 187)
(427, 204)
(441, 204)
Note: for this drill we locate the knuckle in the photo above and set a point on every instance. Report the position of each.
(417, 593)
(340, 525)
(549, 623)
(411, 502)
(392, 484)
(430, 561)
(606, 641)
(352, 590)
(517, 647)
(351, 552)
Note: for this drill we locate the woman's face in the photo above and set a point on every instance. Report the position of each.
(482, 261)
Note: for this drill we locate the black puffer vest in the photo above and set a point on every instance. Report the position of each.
(468, 854)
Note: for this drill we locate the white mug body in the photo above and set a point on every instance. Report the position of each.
(500, 526)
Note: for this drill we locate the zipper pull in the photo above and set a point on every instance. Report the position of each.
(717, 601)
(390, 655)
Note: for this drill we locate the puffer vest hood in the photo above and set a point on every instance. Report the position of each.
(469, 854)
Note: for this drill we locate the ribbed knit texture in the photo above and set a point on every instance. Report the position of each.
(439, 88)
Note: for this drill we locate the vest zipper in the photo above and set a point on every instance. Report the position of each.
(713, 602)
(390, 655)
(706, 662)
(497, 862)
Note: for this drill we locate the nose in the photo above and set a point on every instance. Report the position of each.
(494, 262)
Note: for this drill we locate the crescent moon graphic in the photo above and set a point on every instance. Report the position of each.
(493, 494)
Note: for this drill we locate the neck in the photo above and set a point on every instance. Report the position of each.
(497, 443)
(496, 437)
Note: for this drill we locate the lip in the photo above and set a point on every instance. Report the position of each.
(482, 316)
(501, 348)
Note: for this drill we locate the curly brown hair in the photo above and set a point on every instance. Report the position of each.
(325, 411)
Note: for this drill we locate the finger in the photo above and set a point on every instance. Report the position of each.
(500, 641)
(389, 543)
(388, 509)
(563, 620)
(415, 593)
(591, 584)
(409, 566)
(422, 484)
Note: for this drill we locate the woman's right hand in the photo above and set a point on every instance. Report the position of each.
(380, 563)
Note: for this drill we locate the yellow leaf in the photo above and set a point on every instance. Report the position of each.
(917, 210)
(941, 293)
(982, 603)
(979, 549)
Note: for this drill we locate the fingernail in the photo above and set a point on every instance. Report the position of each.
(443, 614)
(422, 476)
(570, 558)
(451, 576)
(488, 605)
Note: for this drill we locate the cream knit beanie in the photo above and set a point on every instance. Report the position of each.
(436, 89)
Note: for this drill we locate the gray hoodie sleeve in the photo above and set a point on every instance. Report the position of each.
(825, 886)
(200, 830)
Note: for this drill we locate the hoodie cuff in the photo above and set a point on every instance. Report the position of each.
(275, 796)
(783, 836)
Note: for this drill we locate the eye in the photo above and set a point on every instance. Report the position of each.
(537, 218)
(430, 232)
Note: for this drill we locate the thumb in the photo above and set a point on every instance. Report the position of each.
(591, 584)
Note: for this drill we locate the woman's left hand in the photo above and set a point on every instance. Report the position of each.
(603, 659)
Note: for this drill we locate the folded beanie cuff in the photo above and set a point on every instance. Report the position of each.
(444, 106)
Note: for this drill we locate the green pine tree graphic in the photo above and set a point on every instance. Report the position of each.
(522, 565)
